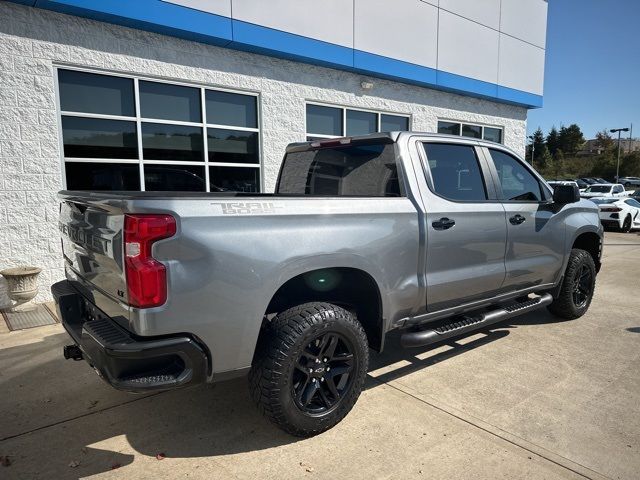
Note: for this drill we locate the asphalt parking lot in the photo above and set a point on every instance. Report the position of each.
(533, 398)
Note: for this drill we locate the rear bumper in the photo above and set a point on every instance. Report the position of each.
(610, 222)
(122, 359)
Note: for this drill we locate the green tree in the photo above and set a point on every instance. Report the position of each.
(545, 160)
(630, 165)
(604, 141)
(538, 145)
(553, 141)
(570, 139)
(558, 163)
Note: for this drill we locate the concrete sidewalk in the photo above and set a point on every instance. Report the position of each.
(533, 398)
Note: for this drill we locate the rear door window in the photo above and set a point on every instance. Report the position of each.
(364, 170)
(517, 182)
(455, 172)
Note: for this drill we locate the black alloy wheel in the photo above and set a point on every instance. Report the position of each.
(323, 373)
(309, 367)
(575, 292)
(582, 286)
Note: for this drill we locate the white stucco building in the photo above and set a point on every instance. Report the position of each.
(206, 94)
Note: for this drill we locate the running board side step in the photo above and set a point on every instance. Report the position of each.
(461, 325)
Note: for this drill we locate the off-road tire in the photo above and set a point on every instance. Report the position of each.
(564, 305)
(280, 346)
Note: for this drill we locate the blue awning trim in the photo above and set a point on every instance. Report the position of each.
(175, 20)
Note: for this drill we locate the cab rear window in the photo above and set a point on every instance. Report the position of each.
(363, 170)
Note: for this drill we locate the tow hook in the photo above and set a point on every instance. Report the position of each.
(72, 352)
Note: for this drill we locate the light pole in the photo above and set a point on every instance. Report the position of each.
(618, 131)
(533, 149)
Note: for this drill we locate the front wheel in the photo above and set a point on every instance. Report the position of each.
(577, 287)
(309, 367)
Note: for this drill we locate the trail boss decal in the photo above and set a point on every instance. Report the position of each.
(247, 208)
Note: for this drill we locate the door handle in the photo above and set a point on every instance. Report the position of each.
(443, 224)
(517, 219)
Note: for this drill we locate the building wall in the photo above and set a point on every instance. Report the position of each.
(489, 48)
(32, 41)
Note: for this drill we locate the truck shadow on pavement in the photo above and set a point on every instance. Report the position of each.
(60, 409)
(404, 361)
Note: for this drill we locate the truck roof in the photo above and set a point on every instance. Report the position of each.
(390, 137)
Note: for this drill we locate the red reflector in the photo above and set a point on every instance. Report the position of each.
(146, 277)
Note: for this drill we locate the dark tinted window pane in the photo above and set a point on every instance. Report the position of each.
(174, 178)
(234, 179)
(493, 134)
(449, 128)
(232, 146)
(225, 108)
(169, 102)
(92, 93)
(172, 142)
(324, 120)
(473, 131)
(361, 170)
(361, 123)
(390, 123)
(102, 176)
(99, 138)
(455, 172)
(517, 182)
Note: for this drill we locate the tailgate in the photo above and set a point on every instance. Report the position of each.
(92, 244)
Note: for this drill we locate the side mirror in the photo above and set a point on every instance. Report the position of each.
(564, 193)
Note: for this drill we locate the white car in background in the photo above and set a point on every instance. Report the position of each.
(604, 190)
(620, 213)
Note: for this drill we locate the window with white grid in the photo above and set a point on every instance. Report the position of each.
(132, 133)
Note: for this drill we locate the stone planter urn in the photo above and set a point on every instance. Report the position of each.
(22, 286)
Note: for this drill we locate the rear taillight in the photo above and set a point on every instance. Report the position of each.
(146, 277)
(611, 209)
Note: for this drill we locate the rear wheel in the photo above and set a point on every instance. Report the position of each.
(577, 287)
(626, 226)
(309, 368)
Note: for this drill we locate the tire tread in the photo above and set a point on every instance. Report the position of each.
(562, 306)
(276, 341)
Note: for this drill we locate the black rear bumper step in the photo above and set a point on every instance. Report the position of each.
(126, 361)
(462, 325)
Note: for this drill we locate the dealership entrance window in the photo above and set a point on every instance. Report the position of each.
(327, 121)
(129, 133)
(493, 134)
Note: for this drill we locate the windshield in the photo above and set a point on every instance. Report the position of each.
(599, 188)
(601, 201)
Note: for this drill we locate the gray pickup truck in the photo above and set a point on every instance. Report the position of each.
(433, 235)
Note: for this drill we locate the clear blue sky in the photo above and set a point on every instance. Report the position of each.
(592, 72)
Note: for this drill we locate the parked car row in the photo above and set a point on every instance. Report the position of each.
(618, 208)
